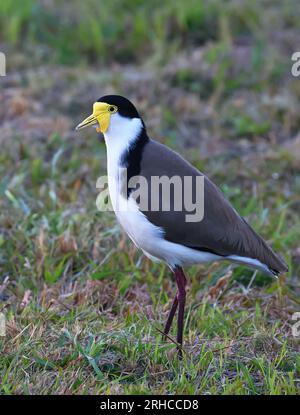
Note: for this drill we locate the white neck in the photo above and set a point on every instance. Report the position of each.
(120, 134)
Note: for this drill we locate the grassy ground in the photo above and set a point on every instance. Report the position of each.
(83, 306)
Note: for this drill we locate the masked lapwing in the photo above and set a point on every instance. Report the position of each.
(171, 234)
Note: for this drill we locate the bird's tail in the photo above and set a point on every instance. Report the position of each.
(266, 255)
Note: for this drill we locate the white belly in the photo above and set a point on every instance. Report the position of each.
(149, 237)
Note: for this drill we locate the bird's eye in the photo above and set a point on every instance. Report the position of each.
(112, 109)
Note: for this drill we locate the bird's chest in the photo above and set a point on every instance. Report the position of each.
(132, 220)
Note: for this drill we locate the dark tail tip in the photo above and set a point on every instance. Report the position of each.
(281, 268)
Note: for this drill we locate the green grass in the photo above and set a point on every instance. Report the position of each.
(95, 306)
(116, 30)
(83, 306)
(108, 343)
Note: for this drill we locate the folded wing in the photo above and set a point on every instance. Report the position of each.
(221, 231)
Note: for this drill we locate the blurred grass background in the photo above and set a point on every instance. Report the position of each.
(121, 30)
(213, 81)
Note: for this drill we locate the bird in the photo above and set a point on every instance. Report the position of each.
(166, 235)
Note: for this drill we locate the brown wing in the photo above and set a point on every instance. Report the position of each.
(222, 230)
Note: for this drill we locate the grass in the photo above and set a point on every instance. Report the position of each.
(116, 30)
(84, 308)
(108, 343)
(90, 323)
(111, 30)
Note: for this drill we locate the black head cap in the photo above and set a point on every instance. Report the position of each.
(125, 107)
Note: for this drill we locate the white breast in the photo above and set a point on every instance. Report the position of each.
(144, 234)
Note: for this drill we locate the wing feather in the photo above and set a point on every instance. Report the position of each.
(222, 231)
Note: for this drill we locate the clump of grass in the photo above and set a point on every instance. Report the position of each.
(112, 345)
(112, 30)
(128, 30)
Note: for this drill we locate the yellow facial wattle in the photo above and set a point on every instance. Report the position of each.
(101, 114)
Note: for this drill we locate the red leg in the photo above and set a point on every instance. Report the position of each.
(181, 282)
(171, 316)
(178, 300)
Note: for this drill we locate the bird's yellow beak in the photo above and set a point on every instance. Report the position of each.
(101, 115)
